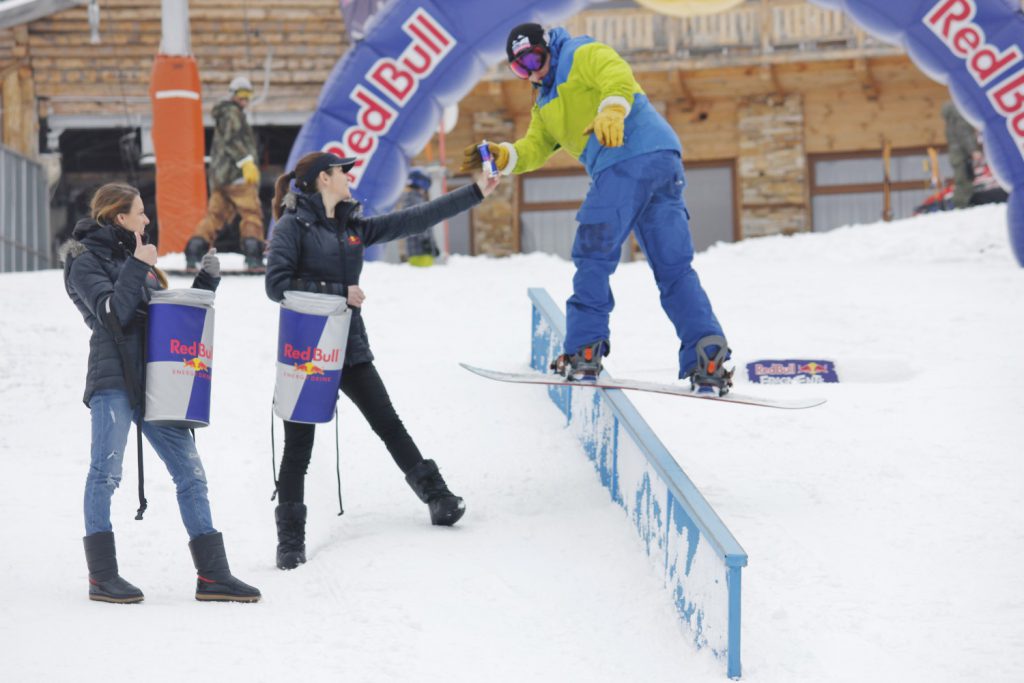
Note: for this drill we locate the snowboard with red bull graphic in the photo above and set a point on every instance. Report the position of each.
(607, 382)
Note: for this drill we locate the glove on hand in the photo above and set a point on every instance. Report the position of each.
(471, 159)
(608, 125)
(250, 172)
(211, 264)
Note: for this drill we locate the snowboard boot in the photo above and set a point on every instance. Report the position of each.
(291, 535)
(710, 376)
(445, 507)
(252, 248)
(194, 252)
(214, 581)
(584, 365)
(105, 585)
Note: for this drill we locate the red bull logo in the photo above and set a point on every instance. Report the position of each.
(354, 239)
(813, 368)
(309, 369)
(196, 364)
(792, 371)
(398, 80)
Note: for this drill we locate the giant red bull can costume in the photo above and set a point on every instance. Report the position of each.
(179, 358)
(311, 341)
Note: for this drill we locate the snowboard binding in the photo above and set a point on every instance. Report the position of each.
(711, 376)
(584, 365)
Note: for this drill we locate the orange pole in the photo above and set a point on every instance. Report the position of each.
(179, 146)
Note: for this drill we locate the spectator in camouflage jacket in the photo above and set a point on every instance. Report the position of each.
(234, 181)
(962, 141)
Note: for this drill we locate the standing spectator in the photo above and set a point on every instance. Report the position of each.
(421, 249)
(962, 142)
(109, 272)
(318, 246)
(234, 182)
(588, 104)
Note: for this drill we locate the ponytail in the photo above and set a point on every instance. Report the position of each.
(302, 168)
(280, 190)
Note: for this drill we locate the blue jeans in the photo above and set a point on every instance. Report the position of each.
(643, 194)
(111, 420)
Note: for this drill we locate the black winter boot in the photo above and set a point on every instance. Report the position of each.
(252, 249)
(291, 535)
(445, 507)
(105, 585)
(214, 580)
(194, 252)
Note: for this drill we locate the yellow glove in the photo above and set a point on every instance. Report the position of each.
(471, 159)
(608, 125)
(250, 172)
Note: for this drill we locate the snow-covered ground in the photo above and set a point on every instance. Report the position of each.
(885, 529)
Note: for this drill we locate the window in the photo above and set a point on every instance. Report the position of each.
(847, 189)
(550, 200)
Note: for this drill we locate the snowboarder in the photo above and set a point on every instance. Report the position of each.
(317, 246)
(589, 104)
(234, 182)
(109, 272)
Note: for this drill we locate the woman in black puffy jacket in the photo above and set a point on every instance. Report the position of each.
(317, 246)
(109, 272)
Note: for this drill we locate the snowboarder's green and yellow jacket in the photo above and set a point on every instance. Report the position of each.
(586, 76)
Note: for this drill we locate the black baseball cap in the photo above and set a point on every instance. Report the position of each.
(328, 160)
(524, 37)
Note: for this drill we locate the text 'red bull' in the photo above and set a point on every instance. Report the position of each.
(196, 349)
(311, 353)
(953, 22)
(397, 80)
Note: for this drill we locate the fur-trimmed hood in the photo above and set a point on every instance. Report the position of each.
(69, 249)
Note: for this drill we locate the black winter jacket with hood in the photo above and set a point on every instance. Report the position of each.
(313, 253)
(99, 264)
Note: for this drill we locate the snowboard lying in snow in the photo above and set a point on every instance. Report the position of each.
(639, 385)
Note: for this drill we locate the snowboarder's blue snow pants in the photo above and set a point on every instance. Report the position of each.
(644, 194)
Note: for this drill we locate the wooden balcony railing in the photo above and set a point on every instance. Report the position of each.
(758, 30)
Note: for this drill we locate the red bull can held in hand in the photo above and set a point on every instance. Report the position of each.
(490, 168)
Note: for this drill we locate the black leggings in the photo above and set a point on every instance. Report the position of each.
(364, 387)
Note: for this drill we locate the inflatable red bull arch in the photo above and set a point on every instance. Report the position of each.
(383, 101)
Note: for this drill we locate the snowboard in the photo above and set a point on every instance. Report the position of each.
(640, 385)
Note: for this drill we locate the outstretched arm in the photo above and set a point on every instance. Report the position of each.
(418, 218)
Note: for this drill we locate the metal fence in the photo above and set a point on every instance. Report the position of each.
(24, 214)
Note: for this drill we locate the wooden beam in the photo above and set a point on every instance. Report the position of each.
(868, 85)
(769, 75)
(686, 99)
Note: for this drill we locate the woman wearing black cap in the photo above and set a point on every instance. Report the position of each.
(317, 246)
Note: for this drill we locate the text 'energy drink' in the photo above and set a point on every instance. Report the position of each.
(488, 165)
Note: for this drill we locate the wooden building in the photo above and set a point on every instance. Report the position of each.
(783, 108)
